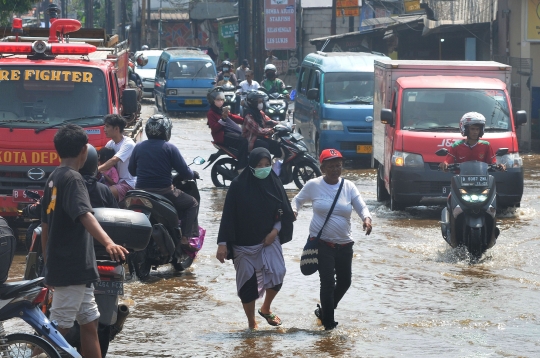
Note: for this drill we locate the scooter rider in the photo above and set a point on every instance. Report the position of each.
(99, 193)
(271, 83)
(258, 128)
(472, 126)
(226, 79)
(223, 131)
(226, 66)
(152, 161)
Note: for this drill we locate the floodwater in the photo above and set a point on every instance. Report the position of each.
(411, 296)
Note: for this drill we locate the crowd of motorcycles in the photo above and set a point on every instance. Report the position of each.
(468, 219)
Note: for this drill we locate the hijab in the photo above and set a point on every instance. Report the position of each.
(256, 114)
(254, 205)
(216, 109)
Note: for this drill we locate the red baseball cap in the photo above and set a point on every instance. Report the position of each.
(329, 154)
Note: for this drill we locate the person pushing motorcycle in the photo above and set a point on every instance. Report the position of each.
(472, 126)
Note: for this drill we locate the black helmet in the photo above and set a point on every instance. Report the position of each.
(226, 64)
(158, 127)
(214, 93)
(91, 164)
(253, 98)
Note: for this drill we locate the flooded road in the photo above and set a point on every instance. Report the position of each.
(412, 295)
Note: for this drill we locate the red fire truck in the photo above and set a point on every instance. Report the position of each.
(46, 84)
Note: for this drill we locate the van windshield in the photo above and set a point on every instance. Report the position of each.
(39, 96)
(191, 69)
(348, 87)
(441, 109)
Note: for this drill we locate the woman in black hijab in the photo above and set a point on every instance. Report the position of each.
(257, 219)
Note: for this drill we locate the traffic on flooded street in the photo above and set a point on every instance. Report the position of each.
(411, 294)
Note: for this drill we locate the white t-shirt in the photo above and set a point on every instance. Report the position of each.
(123, 150)
(321, 194)
(247, 87)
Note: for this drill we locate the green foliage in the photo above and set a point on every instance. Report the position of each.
(10, 7)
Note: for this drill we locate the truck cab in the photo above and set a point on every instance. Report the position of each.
(45, 85)
(418, 105)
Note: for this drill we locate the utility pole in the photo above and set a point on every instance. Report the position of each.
(160, 25)
(109, 20)
(89, 14)
(143, 27)
(333, 21)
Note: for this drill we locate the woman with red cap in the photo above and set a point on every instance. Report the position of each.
(335, 245)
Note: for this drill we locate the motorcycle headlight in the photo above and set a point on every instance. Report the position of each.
(328, 125)
(511, 160)
(282, 111)
(270, 110)
(404, 159)
(474, 197)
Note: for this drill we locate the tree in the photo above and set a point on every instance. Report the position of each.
(10, 7)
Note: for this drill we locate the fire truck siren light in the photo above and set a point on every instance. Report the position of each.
(16, 47)
(17, 26)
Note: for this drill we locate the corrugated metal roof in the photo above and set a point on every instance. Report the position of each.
(178, 16)
(460, 12)
(393, 20)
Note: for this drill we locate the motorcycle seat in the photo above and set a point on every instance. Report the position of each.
(11, 289)
(231, 151)
(147, 194)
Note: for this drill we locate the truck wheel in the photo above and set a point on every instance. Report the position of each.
(382, 193)
(394, 205)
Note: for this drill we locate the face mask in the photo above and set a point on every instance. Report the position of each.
(218, 104)
(261, 173)
(226, 78)
(271, 75)
(225, 69)
(260, 106)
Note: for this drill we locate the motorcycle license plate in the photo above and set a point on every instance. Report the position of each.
(113, 288)
(193, 101)
(20, 197)
(474, 180)
(275, 101)
(364, 149)
(446, 190)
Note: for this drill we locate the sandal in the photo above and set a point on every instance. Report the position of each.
(271, 318)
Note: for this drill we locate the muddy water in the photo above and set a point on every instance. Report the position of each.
(411, 294)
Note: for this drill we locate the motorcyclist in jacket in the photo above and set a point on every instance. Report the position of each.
(271, 83)
(226, 67)
(258, 127)
(152, 161)
(472, 126)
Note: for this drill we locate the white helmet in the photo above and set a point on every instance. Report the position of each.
(270, 67)
(469, 119)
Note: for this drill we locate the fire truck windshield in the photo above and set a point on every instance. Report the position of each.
(44, 96)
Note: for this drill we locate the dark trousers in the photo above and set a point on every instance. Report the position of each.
(335, 275)
(273, 147)
(186, 207)
(241, 144)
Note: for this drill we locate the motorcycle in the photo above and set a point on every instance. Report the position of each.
(23, 299)
(276, 107)
(111, 273)
(469, 217)
(298, 165)
(166, 233)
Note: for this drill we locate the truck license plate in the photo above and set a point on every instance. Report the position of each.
(20, 197)
(113, 288)
(364, 149)
(193, 101)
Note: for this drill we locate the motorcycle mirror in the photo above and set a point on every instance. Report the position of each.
(443, 152)
(501, 152)
(198, 160)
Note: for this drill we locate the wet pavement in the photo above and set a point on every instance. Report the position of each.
(412, 295)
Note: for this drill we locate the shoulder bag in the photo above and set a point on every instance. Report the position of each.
(309, 263)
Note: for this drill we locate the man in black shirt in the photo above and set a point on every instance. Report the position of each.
(68, 249)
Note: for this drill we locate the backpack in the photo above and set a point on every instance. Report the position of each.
(8, 242)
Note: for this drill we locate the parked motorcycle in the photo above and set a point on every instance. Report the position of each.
(298, 166)
(118, 224)
(23, 299)
(166, 233)
(469, 217)
(276, 107)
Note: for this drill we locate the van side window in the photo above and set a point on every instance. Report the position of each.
(113, 90)
(315, 79)
(304, 75)
(161, 68)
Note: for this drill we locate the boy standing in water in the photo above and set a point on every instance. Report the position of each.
(68, 248)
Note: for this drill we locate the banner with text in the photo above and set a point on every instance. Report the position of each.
(280, 23)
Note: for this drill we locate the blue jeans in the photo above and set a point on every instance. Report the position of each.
(335, 274)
